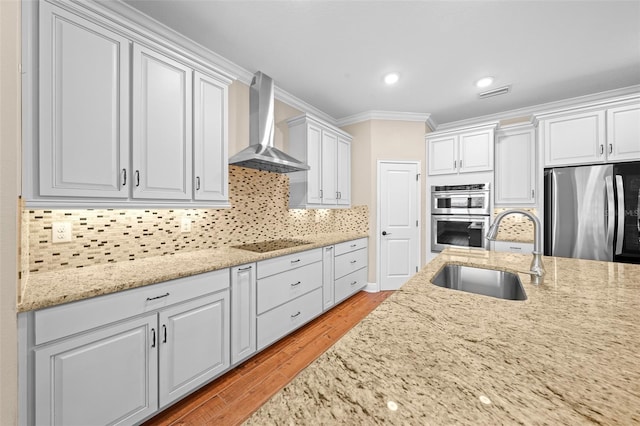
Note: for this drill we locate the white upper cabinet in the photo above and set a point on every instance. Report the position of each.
(210, 140)
(121, 118)
(597, 134)
(84, 107)
(344, 171)
(461, 151)
(574, 139)
(515, 165)
(329, 168)
(162, 114)
(327, 151)
(623, 132)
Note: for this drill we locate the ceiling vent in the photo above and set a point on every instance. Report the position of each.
(495, 92)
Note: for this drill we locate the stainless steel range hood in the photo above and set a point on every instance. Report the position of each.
(261, 154)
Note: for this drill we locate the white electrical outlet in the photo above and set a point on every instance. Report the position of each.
(61, 232)
(185, 225)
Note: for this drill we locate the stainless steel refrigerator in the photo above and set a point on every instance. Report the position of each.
(592, 212)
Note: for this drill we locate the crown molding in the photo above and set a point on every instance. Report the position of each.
(297, 103)
(550, 107)
(384, 115)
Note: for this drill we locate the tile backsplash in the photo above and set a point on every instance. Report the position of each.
(517, 228)
(259, 211)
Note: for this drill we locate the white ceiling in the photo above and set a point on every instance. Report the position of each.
(333, 54)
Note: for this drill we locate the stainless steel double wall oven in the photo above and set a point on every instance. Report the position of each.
(460, 215)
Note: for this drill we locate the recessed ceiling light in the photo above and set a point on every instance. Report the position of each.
(484, 82)
(391, 78)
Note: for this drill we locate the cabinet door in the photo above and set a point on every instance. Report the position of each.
(243, 312)
(574, 139)
(476, 151)
(314, 158)
(623, 133)
(443, 155)
(194, 344)
(162, 121)
(327, 277)
(515, 167)
(210, 138)
(84, 112)
(108, 376)
(329, 168)
(344, 172)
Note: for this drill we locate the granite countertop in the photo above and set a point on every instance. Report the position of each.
(46, 289)
(569, 354)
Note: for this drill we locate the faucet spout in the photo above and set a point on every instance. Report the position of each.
(536, 269)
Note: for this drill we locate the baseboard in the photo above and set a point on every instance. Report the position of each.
(371, 288)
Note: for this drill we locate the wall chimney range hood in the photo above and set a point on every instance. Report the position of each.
(261, 154)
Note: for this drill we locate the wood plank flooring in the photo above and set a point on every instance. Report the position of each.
(233, 397)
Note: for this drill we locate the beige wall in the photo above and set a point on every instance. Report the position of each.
(9, 189)
(384, 140)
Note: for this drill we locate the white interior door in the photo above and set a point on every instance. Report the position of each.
(398, 222)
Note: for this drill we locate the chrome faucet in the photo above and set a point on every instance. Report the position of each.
(537, 268)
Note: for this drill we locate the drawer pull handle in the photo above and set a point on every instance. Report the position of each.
(245, 269)
(296, 284)
(329, 248)
(158, 297)
(124, 177)
(354, 283)
(137, 178)
(515, 248)
(295, 315)
(353, 261)
(164, 330)
(353, 245)
(153, 337)
(295, 261)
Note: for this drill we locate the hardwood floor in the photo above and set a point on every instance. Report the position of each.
(233, 397)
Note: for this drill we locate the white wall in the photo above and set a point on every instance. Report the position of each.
(10, 137)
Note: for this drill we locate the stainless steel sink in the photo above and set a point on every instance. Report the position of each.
(500, 284)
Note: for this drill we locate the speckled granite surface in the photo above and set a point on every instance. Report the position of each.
(47, 289)
(568, 355)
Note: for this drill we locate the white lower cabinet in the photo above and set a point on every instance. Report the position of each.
(194, 345)
(108, 376)
(139, 351)
(350, 268)
(328, 277)
(279, 322)
(289, 294)
(243, 312)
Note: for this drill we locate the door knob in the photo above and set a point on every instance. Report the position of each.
(386, 233)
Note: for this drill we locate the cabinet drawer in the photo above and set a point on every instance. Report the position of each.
(350, 262)
(290, 261)
(348, 246)
(349, 284)
(281, 288)
(513, 247)
(64, 320)
(282, 320)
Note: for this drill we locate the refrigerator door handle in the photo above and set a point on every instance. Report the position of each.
(620, 224)
(638, 210)
(611, 208)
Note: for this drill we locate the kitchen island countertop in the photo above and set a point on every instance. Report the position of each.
(46, 289)
(569, 354)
